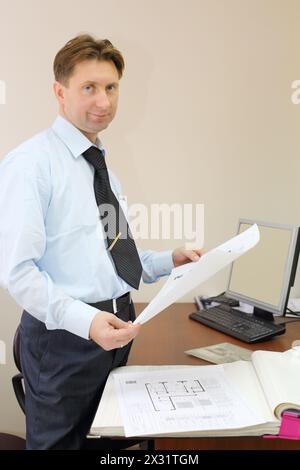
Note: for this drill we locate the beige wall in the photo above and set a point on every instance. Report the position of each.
(205, 112)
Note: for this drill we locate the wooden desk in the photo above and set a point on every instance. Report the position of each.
(164, 339)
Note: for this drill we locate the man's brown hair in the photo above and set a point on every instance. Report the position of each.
(84, 47)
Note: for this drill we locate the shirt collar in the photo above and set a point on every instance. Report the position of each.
(73, 138)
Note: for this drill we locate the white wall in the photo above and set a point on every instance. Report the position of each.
(205, 112)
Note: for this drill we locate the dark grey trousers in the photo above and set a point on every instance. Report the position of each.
(64, 378)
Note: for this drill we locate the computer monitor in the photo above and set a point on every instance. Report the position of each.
(263, 276)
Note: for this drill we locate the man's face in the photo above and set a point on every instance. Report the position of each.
(90, 99)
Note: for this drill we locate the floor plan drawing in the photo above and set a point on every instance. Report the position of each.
(172, 395)
(176, 399)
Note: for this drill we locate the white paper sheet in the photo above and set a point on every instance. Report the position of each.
(171, 401)
(185, 278)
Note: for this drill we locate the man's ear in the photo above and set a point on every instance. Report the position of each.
(58, 91)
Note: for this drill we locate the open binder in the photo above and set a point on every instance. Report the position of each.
(270, 384)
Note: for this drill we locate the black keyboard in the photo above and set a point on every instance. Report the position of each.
(238, 324)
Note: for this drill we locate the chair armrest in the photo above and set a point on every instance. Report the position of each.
(17, 382)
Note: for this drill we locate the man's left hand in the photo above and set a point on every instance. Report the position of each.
(182, 256)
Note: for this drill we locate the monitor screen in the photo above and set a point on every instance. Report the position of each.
(262, 277)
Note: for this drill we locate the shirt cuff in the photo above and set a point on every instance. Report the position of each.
(78, 318)
(163, 263)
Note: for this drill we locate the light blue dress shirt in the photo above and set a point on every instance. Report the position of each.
(53, 256)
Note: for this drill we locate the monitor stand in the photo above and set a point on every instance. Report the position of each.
(263, 314)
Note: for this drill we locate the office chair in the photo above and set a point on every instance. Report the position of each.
(11, 442)
(101, 443)
(17, 379)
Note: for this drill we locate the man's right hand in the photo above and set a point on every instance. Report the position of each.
(110, 332)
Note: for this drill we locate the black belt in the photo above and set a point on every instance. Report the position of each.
(113, 305)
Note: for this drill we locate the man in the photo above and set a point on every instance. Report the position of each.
(59, 259)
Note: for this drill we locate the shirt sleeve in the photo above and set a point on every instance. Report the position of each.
(25, 193)
(155, 264)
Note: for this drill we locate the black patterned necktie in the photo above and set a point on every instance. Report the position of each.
(119, 238)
